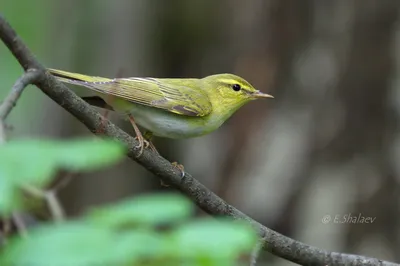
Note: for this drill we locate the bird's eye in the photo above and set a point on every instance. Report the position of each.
(236, 87)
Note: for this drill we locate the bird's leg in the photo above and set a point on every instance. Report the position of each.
(139, 136)
(148, 136)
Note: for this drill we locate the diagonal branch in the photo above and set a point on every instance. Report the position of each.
(274, 242)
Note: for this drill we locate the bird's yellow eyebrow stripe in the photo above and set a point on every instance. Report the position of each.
(231, 81)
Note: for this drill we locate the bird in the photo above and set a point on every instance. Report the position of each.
(175, 108)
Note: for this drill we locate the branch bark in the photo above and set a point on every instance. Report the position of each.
(274, 242)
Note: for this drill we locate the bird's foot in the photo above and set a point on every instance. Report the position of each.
(180, 168)
(139, 137)
(177, 166)
(142, 144)
(148, 136)
(144, 140)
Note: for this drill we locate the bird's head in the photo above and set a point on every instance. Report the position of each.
(228, 92)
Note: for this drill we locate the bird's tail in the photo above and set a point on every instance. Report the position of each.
(77, 79)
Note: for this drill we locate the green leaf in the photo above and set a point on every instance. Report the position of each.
(139, 244)
(149, 210)
(37, 160)
(216, 239)
(84, 155)
(68, 244)
(80, 244)
(33, 160)
(9, 197)
(14, 171)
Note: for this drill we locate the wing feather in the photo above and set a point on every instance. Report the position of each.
(174, 95)
(164, 94)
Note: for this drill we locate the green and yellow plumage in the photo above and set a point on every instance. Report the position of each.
(171, 108)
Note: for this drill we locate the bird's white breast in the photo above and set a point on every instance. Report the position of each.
(169, 125)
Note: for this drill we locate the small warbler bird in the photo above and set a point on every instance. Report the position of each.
(171, 108)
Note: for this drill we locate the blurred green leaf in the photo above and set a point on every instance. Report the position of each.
(214, 239)
(87, 155)
(140, 244)
(146, 210)
(15, 170)
(34, 162)
(9, 199)
(68, 244)
(81, 244)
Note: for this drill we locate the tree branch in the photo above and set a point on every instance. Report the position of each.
(10, 101)
(275, 243)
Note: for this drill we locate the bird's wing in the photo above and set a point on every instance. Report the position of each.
(165, 94)
(175, 95)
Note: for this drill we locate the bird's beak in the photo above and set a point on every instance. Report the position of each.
(259, 94)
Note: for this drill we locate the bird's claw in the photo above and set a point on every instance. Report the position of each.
(180, 167)
(142, 144)
(177, 166)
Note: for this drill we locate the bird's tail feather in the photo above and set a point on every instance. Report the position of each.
(77, 79)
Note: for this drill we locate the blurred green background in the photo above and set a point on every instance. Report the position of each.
(328, 144)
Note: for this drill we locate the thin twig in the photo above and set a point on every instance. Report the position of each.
(54, 205)
(275, 243)
(33, 191)
(52, 202)
(6, 228)
(10, 101)
(2, 132)
(20, 224)
(63, 182)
